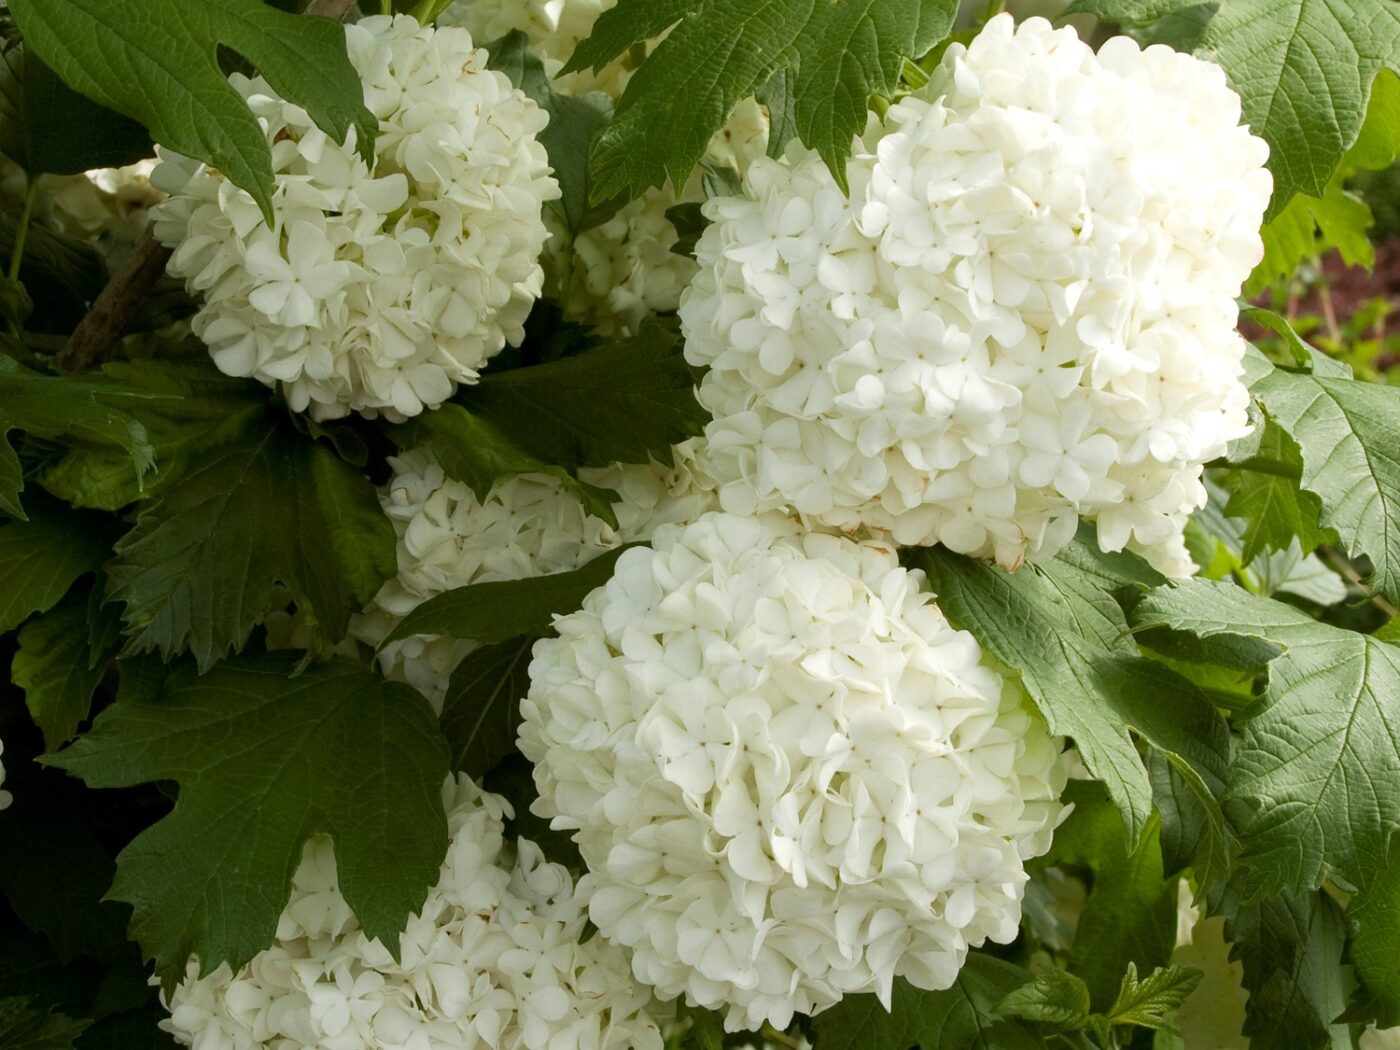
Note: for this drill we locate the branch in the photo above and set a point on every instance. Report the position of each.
(114, 308)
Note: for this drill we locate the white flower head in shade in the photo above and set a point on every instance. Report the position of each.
(5, 797)
(554, 29)
(528, 525)
(1380, 1038)
(379, 288)
(493, 959)
(105, 204)
(1023, 311)
(790, 777)
(625, 268)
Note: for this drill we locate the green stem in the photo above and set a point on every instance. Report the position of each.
(994, 8)
(386, 7)
(22, 230)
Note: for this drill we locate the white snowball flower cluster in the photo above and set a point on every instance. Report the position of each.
(1022, 312)
(492, 960)
(792, 779)
(379, 288)
(528, 525)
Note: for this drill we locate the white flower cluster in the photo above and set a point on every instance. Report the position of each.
(380, 287)
(1022, 312)
(493, 959)
(791, 778)
(528, 525)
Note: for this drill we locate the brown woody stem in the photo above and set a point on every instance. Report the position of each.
(114, 308)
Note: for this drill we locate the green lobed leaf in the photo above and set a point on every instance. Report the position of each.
(76, 410)
(1310, 225)
(1060, 628)
(474, 452)
(1304, 70)
(1055, 998)
(266, 507)
(1291, 950)
(1129, 916)
(1374, 917)
(1128, 12)
(157, 61)
(186, 408)
(855, 53)
(570, 412)
(1275, 508)
(58, 665)
(24, 1026)
(481, 711)
(1150, 1002)
(41, 557)
(504, 609)
(955, 1018)
(1316, 765)
(264, 761)
(835, 57)
(1345, 431)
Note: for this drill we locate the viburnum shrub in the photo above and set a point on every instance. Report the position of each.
(697, 524)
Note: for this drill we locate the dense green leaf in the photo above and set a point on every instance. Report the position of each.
(157, 61)
(1055, 998)
(481, 711)
(264, 761)
(571, 412)
(58, 666)
(267, 507)
(41, 557)
(186, 408)
(474, 452)
(956, 1018)
(1130, 913)
(1291, 949)
(47, 127)
(1060, 628)
(25, 1027)
(722, 51)
(504, 609)
(1317, 765)
(76, 410)
(1345, 430)
(1374, 915)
